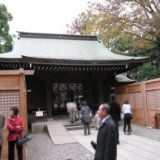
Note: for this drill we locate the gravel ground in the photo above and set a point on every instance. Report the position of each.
(42, 148)
(144, 131)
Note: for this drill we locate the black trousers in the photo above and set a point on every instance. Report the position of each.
(117, 130)
(127, 122)
(0, 151)
(86, 128)
(11, 146)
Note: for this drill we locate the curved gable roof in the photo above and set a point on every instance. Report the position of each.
(64, 47)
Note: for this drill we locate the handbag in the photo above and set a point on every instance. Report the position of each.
(93, 144)
(24, 139)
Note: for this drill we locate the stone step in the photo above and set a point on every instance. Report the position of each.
(42, 126)
(77, 123)
(77, 127)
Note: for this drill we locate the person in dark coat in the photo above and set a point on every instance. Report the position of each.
(2, 123)
(85, 117)
(115, 112)
(106, 148)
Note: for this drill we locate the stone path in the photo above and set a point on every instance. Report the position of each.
(143, 144)
(145, 131)
(41, 147)
(59, 134)
(131, 147)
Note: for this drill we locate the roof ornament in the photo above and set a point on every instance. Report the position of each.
(21, 70)
(126, 66)
(30, 65)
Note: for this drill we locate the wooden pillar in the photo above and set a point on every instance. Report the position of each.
(23, 106)
(100, 90)
(49, 97)
(88, 92)
(23, 101)
(145, 108)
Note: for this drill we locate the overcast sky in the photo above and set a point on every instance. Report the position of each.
(48, 16)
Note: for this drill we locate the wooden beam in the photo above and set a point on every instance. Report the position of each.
(100, 90)
(16, 72)
(50, 68)
(49, 97)
(28, 72)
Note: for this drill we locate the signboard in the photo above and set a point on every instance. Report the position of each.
(39, 114)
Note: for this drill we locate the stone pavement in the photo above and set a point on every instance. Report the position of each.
(131, 147)
(145, 131)
(143, 144)
(59, 134)
(41, 147)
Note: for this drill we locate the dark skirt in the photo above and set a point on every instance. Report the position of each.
(128, 116)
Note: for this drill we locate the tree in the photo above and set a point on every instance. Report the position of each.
(145, 72)
(129, 27)
(125, 46)
(5, 37)
(115, 19)
(78, 25)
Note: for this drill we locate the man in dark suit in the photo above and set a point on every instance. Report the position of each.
(106, 148)
(115, 112)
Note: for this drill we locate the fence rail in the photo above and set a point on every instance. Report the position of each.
(144, 98)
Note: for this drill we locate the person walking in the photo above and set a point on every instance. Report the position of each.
(2, 123)
(106, 148)
(85, 117)
(127, 111)
(15, 126)
(115, 112)
(72, 109)
(96, 121)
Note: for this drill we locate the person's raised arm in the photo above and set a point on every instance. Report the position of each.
(20, 128)
(10, 127)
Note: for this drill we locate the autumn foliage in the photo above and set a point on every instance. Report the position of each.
(113, 19)
(130, 27)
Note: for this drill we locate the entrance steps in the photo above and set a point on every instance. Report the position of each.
(59, 134)
(37, 127)
(77, 126)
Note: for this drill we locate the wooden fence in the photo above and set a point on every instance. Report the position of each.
(13, 94)
(144, 98)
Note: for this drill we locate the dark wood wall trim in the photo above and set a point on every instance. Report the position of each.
(49, 97)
